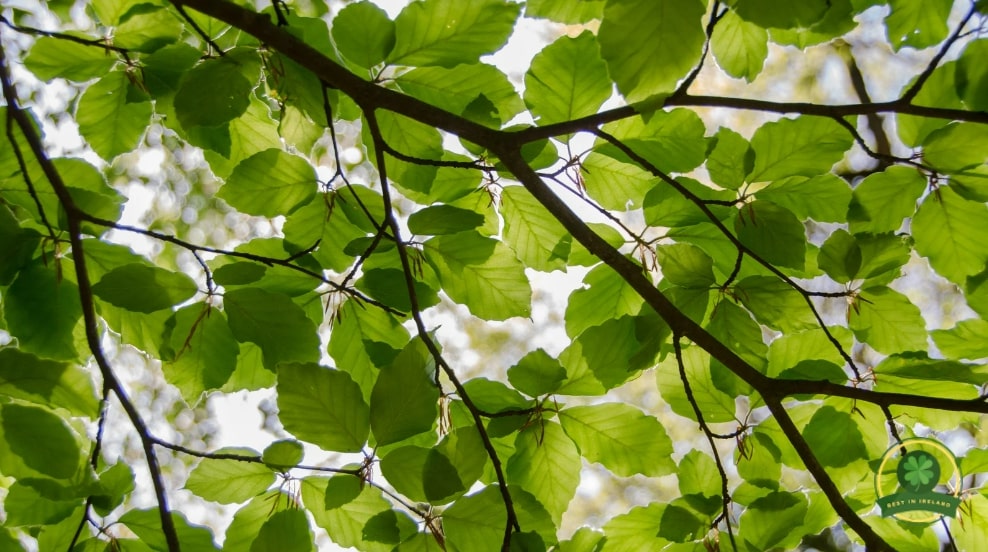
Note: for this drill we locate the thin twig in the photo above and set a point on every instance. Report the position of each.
(724, 491)
(511, 518)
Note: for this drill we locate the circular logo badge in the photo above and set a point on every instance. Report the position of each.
(918, 481)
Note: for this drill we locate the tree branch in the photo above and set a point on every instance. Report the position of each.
(75, 218)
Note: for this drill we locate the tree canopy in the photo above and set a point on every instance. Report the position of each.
(290, 195)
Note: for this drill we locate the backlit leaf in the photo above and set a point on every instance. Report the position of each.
(546, 464)
(807, 146)
(230, 481)
(567, 80)
(650, 44)
(270, 183)
(405, 399)
(620, 437)
(448, 32)
(322, 406)
(482, 274)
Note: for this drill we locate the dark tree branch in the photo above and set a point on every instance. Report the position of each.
(734, 241)
(913, 90)
(75, 218)
(202, 34)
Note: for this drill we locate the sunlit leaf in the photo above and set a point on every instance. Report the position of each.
(620, 437)
(230, 481)
(447, 32)
(342, 422)
(650, 44)
(567, 80)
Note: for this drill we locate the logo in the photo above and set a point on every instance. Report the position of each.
(918, 481)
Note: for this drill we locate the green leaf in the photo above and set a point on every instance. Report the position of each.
(805, 146)
(283, 454)
(481, 274)
(494, 396)
(773, 233)
(608, 297)
(272, 321)
(455, 89)
(956, 147)
(834, 437)
(443, 219)
(200, 352)
(41, 439)
(113, 115)
(775, 304)
(229, 481)
(888, 321)
(615, 184)
(405, 399)
(564, 11)
(967, 339)
(733, 327)
(285, 531)
(948, 230)
(638, 529)
(840, 257)
(621, 437)
(51, 58)
(882, 254)
(146, 524)
(740, 47)
(448, 32)
(476, 522)
(781, 14)
(17, 246)
(667, 205)
(27, 505)
(141, 288)
(882, 200)
(322, 406)
(54, 384)
(700, 482)
(672, 141)
(769, 520)
(344, 508)
(212, 93)
(917, 23)
(941, 90)
(147, 29)
(409, 138)
(249, 519)
(546, 463)
(822, 198)
(363, 340)
(41, 311)
(731, 159)
(972, 76)
(363, 33)
(270, 183)
(716, 405)
(537, 374)
(422, 474)
(685, 265)
(537, 238)
(649, 45)
(567, 80)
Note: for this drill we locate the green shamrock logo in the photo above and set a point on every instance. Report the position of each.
(918, 471)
